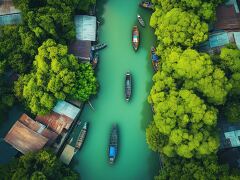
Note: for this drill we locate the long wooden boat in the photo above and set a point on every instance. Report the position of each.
(135, 38)
(99, 47)
(155, 59)
(82, 136)
(113, 144)
(95, 60)
(140, 20)
(147, 5)
(128, 86)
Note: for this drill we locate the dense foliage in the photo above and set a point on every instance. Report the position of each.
(184, 169)
(56, 75)
(36, 51)
(188, 90)
(35, 166)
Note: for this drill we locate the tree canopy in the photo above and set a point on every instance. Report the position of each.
(56, 75)
(186, 169)
(35, 166)
(178, 27)
(188, 89)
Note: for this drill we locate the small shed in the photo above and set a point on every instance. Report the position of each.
(67, 154)
(86, 27)
(233, 138)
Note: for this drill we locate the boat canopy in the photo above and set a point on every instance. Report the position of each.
(155, 57)
(135, 38)
(112, 152)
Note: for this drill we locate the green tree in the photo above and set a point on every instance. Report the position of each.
(232, 110)
(197, 169)
(178, 27)
(57, 75)
(37, 166)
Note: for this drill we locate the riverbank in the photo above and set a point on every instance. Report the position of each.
(135, 160)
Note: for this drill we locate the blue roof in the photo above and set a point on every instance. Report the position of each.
(10, 19)
(219, 39)
(65, 108)
(237, 39)
(155, 57)
(112, 152)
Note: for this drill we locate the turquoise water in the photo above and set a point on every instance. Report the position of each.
(135, 160)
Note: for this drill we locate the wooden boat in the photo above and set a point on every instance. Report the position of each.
(135, 38)
(82, 136)
(140, 20)
(95, 60)
(113, 144)
(128, 86)
(155, 59)
(99, 47)
(147, 5)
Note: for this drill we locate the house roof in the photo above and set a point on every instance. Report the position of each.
(39, 128)
(67, 109)
(7, 7)
(55, 121)
(25, 139)
(67, 154)
(81, 49)
(85, 27)
(228, 17)
(218, 39)
(10, 19)
(233, 137)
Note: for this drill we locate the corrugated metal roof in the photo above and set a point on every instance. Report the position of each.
(219, 39)
(237, 39)
(67, 154)
(55, 121)
(65, 108)
(85, 27)
(10, 19)
(81, 49)
(7, 7)
(25, 139)
(233, 136)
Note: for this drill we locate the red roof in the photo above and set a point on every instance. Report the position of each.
(55, 121)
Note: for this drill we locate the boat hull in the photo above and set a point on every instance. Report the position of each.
(155, 59)
(140, 20)
(113, 145)
(147, 5)
(135, 38)
(128, 86)
(82, 136)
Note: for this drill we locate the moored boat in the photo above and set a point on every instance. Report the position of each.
(99, 47)
(140, 20)
(81, 136)
(113, 144)
(128, 86)
(95, 60)
(147, 4)
(155, 59)
(135, 38)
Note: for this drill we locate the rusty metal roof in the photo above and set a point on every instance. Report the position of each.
(55, 121)
(25, 139)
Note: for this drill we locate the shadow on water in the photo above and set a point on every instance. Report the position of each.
(100, 10)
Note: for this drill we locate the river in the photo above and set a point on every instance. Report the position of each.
(135, 160)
